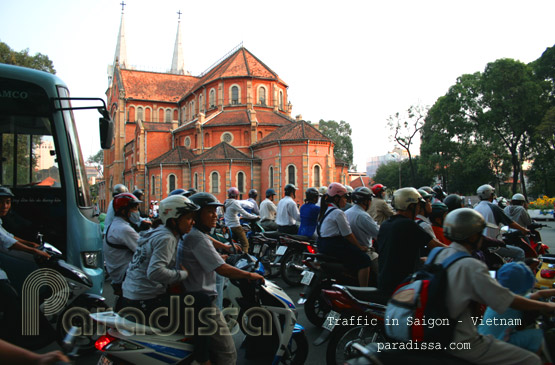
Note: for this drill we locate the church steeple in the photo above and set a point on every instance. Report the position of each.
(120, 56)
(178, 62)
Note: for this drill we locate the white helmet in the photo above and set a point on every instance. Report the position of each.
(485, 192)
(518, 197)
(404, 197)
(175, 206)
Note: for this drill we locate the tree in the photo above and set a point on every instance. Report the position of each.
(406, 127)
(97, 160)
(39, 61)
(396, 174)
(340, 134)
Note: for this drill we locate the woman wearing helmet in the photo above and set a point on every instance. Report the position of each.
(335, 237)
(309, 213)
(197, 254)
(120, 240)
(231, 216)
(380, 210)
(517, 211)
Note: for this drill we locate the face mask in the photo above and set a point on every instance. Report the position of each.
(135, 218)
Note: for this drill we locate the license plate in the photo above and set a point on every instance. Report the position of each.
(281, 250)
(104, 361)
(307, 277)
(330, 320)
(256, 249)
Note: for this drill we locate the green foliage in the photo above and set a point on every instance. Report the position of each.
(38, 61)
(388, 174)
(340, 134)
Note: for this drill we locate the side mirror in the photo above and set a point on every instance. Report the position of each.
(106, 128)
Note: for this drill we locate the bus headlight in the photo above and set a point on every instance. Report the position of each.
(90, 259)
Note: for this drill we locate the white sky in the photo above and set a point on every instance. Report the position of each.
(358, 61)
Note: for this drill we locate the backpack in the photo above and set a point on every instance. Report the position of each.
(417, 310)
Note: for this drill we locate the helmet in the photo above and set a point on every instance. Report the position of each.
(462, 223)
(404, 197)
(289, 188)
(485, 192)
(311, 193)
(428, 190)
(177, 192)
(453, 201)
(336, 189)
(323, 190)
(518, 197)
(175, 206)
(205, 200)
(233, 192)
(439, 192)
(118, 189)
(5, 191)
(377, 189)
(125, 200)
(138, 193)
(349, 189)
(517, 277)
(502, 202)
(438, 209)
(253, 193)
(425, 194)
(270, 192)
(190, 192)
(361, 194)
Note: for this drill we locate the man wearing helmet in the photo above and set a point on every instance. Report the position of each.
(252, 198)
(349, 204)
(309, 213)
(231, 216)
(120, 240)
(268, 211)
(468, 283)
(288, 216)
(110, 213)
(423, 218)
(380, 210)
(196, 253)
(517, 211)
(400, 241)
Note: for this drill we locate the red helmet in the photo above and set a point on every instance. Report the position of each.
(125, 200)
(233, 192)
(336, 189)
(378, 188)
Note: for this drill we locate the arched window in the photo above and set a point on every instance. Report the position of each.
(281, 100)
(192, 108)
(161, 114)
(206, 140)
(171, 182)
(241, 181)
(195, 181)
(316, 177)
(148, 115)
(271, 176)
(168, 116)
(131, 114)
(212, 98)
(234, 95)
(200, 104)
(262, 95)
(140, 113)
(291, 174)
(215, 182)
(153, 185)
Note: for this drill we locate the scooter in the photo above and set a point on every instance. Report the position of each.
(292, 265)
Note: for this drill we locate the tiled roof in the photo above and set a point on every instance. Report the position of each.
(241, 117)
(223, 151)
(145, 85)
(177, 155)
(272, 118)
(296, 131)
(232, 117)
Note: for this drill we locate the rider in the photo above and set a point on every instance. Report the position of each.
(453, 201)
(268, 211)
(197, 254)
(400, 240)
(309, 213)
(120, 240)
(423, 218)
(468, 283)
(252, 198)
(380, 210)
(140, 223)
(349, 203)
(517, 211)
(110, 213)
(231, 216)
(437, 216)
(287, 211)
(335, 237)
(439, 193)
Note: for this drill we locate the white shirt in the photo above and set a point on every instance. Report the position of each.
(232, 211)
(287, 212)
(335, 224)
(268, 210)
(425, 224)
(484, 209)
(363, 226)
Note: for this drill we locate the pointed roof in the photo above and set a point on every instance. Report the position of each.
(121, 46)
(176, 155)
(178, 62)
(223, 151)
(296, 131)
(143, 85)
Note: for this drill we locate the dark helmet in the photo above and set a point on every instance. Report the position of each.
(205, 200)
(138, 193)
(5, 191)
(119, 188)
(190, 192)
(428, 190)
(270, 192)
(253, 193)
(178, 192)
(311, 193)
(124, 201)
(362, 194)
(438, 210)
(440, 194)
(453, 201)
(425, 194)
(289, 188)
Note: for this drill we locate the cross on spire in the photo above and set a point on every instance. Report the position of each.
(122, 6)
(179, 14)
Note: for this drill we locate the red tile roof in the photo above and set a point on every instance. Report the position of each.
(233, 117)
(272, 118)
(223, 151)
(143, 85)
(177, 155)
(296, 131)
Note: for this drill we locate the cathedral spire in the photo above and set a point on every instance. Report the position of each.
(121, 49)
(178, 62)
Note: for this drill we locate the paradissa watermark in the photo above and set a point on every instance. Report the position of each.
(163, 321)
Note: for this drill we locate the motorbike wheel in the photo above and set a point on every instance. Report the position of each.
(288, 268)
(316, 308)
(84, 343)
(339, 350)
(270, 271)
(298, 348)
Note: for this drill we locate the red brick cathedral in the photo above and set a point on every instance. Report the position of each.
(229, 126)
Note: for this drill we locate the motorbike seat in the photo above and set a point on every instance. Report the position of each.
(326, 258)
(300, 237)
(114, 320)
(367, 294)
(272, 234)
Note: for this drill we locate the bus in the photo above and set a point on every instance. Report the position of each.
(41, 162)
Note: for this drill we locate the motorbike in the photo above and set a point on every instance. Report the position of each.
(536, 239)
(545, 276)
(292, 265)
(67, 286)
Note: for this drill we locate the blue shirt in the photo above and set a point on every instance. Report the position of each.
(309, 219)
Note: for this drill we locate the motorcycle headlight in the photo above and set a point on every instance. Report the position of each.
(90, 259)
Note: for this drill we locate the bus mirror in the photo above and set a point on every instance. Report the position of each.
(106, 127)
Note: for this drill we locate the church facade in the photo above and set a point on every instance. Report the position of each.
(230, 126)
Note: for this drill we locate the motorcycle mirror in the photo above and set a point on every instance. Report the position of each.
(51, 248)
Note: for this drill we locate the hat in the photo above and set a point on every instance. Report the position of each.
(517, 277)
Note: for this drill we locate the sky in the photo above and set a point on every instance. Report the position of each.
(357, 61)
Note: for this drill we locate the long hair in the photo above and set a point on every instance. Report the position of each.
(326, 199)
